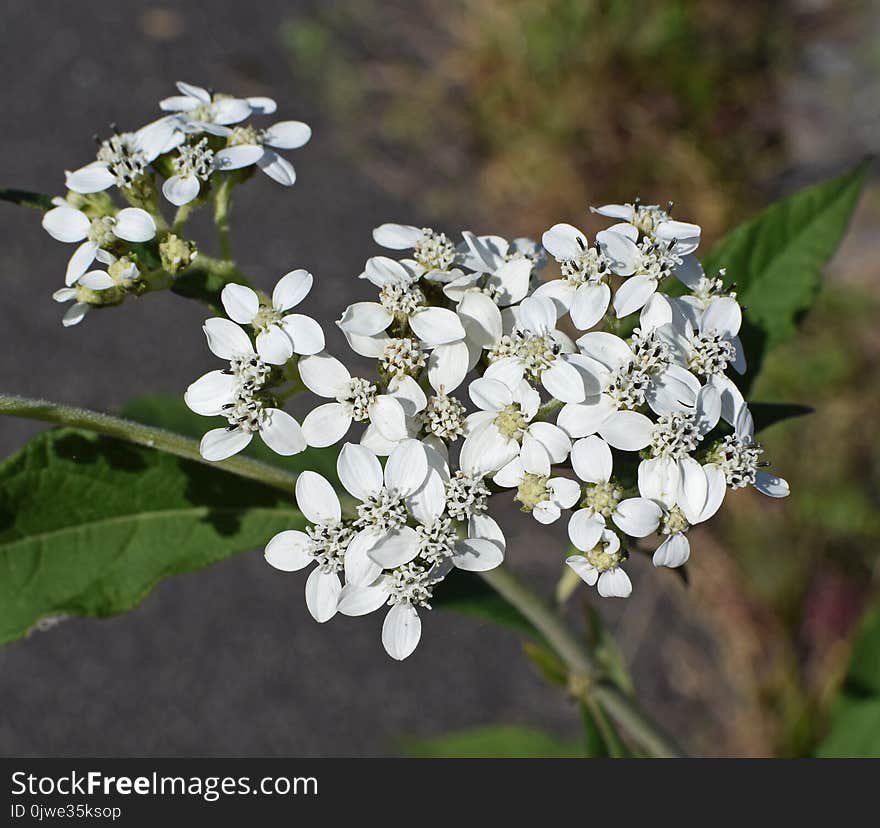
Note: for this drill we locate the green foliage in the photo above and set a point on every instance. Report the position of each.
(854, 730)
(491, 742)
(776, 259)
(89, 525)
(23, 198)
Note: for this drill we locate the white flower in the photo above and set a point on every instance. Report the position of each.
(123, 158)
(600, 564)
(543, 496)
(487, 254)
(356, 400)
(583, 291)
(246, 146)
(280, 335)
(603, 499)
(677, 519)
(433, 252)
(67, 224)
(75, 313)
(654, 222)
(197, 110)
(193, 165)
(403, 566)
(738, 457)
(238, 393)
(544, 354)
(503, 429)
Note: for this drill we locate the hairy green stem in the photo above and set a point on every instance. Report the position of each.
(586, 679)
(222, 204)
(142, 435)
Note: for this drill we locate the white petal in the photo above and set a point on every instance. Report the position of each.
(229, 111)
(690, 272)
(477, 555)
(220, 443)
(584, 569)
(368, 346)
(387, 415)
(511, 281)
(306, 333)
(288, 135)
(274, 345)
(637, 516)
(226, 339)
(658, 479)
(771, 485)
(585, 529)
(429, 501)
(381, 270)
(674, 551)
(485, 451)
(717, 488)
(289, 551)
(554, 440)
(685, 234)
(589, 305)
(723, 316)
(240, 303)
(180, 190)
(365, 318)
(627, 430)
(656, 312)
(448, 366)
(407, 467)
(436, 326)
(66, 224)
(564, 242)
(282, 433)
(620, 249)
(510, 475)
(359, 471)
(563, 381)
(580, 420)
(397, 236)
(618, 211)
(261, 105)
(482, 526)
(408, 393)
(708, 408)
(401, 631)
(234, 158)
(80, 262)
(480, 318)
(538, 314)
(565, 492)
(208, 394)
(323, 374)
(325, 425)
(316, 499)
(322, 594)
(395, 548)
(93, 178)
(357, 600)
(360, 569)
(606, 348)
(134, 225)
(614, 583)
(591, 460)
(192, 91)
(693, 488)
(291, 289)
(534, 457)
(75, 314)
(277, 168)
(490, 394)
(632, 295)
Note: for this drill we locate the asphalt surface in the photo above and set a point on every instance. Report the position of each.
(226, 661)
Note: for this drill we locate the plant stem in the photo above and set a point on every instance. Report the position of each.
(222, 202)
(586, 674)
(142, 435)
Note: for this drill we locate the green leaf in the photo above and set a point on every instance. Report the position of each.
(491, 742)
(465, 593)
(89, 525)
(171, 413)
(37, 201)
(767, 414)
(776, 258)
(854, 729)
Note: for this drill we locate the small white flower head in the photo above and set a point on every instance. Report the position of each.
(192, 167)
(242, 395)
(355, 400)
(444, 417)
(280, 334)
(434, 252)
(247, 146)
(540, 495)
(583, 292)
(544, 354)
(600, 565)
(198, 110)
(96, 236)
(123, 158)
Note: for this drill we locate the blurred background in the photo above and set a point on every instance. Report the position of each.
(503, 116)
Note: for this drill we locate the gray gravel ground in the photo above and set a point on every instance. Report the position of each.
(225, 661)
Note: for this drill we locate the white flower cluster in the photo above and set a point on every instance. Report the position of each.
(472, 368)
(202, 135)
